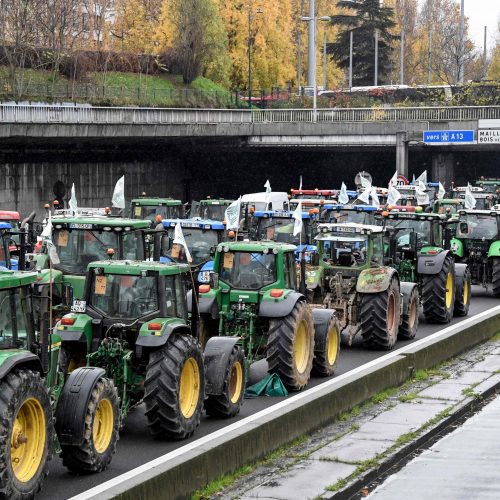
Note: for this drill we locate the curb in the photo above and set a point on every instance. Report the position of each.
(178, 473)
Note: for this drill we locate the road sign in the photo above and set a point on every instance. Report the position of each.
(488, 136)
(443, 137)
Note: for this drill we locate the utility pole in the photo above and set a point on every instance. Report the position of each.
(299, 63)
(311, 48)
(429, 67)
(485, 53)
(375, 77)
(402, 49)
(324, 60)
(351, 37)
(462, 45)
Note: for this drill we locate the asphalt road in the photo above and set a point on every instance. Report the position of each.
(136, 447)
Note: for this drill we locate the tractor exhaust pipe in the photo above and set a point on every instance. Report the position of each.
(23, 244)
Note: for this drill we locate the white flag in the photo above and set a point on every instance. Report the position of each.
(343, 196)
(47, 230)
(374, 195)
(267, 185)
(365, 183)
(422, 177)
(441, 192)
(470, 201)
(118, 199)
(73, 204)
(52, 250)
(232, 215)
(179, 239)
(420, 190)
(394, 180)
(297, 215)
(300, 184)
(393, 196)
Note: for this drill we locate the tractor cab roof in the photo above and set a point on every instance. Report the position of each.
(493, 212)
(156, 202)
(195, 223)
(348, 230)
(462, 189)
(413, 215)
(216, 201)
(138, 268)
(256, 247)
(98, 222)
(9, 215)
(450, 201)
(353, 208)
(14, 279)
(280, 214)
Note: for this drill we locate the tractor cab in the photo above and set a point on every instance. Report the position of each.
(150, 208)
(448, 206)
(357, 214)
(211, 209)
(489, 185)
(484, 199)
(5, 238)
(314, 194)
(382, 194)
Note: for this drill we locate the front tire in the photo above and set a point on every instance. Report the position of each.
(326, 349)
(380, 317)
(175, 388)
(290, 347)
(495, 276)
(462, 294)
(26, 434)
(228, 403)
(438, 293)
(101, 432)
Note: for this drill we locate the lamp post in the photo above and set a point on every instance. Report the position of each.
(462, 45)
(251, 17)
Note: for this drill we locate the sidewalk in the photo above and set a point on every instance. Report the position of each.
(347, 457)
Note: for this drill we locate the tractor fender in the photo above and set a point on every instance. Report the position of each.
(460, 271)
(216, 357)
(281, 308)
(457, 248)
(206, 305)
(161, 340)
(431, 264)
(405, 287)
(321, 318)
(72, 405)
(494, 250)
(375, 280)
(21, 359)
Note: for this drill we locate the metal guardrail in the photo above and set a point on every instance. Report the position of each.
(10, 113)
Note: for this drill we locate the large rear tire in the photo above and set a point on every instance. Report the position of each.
(462, 294)
(438, 293)
(228, 403)
(101, 432)
(409, 321)
(380, 317)
(175, 388)
(290, 347)
(495, 276)
(26, 434)
(326, 349)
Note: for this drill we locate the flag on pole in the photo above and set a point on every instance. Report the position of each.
(47, 237)
(343, 196)
(393, 196)
(232, 214)
(421, 192)
(367, 187)
(422, 177)
(47, 230)
(441, 192)
(394, 180)
(180, 240)
(300, 184)
(374, 196)
(267, 185)
(73, 204)
(297, 215)
(470, 201)
(118, 199)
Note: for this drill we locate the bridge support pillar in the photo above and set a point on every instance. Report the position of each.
(443, 168)
(402, 153)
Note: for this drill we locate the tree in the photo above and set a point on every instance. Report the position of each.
(192, 34)
(364, 18)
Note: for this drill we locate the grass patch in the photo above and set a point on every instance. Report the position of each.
(496, 337)
(404, 398)
(202, 83)
(384, 395)
(131, 80)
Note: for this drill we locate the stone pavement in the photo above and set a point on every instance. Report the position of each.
(346, 457)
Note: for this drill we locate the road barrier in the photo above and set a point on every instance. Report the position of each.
(177, 474)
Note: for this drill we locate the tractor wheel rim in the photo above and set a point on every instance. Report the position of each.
(235, 382)
(466, 293)
(301, 348)
(333, 345)
(102, 429)
(27, 443)
(189, 390)
(449, 290)
(413, 314)
(391, 313)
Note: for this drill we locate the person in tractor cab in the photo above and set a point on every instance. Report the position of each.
(249, 270)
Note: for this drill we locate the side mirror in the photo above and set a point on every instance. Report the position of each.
(464, 228)
(212, 251)
(166, 245)
(214, 280)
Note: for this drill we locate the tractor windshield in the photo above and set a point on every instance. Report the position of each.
(405, 227)
(351, 216)
(279, 229)
(199, 241)
(344, 251)
(14, 307)
(212, 212)
(477, 227)
(125, 296)
(76, 248)
(149, 212)
(248, 270)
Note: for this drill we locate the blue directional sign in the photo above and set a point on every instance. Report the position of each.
(441, 137)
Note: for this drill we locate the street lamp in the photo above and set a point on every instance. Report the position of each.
(462, 44)
(251, 41)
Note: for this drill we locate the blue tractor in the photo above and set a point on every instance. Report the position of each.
(357, 214)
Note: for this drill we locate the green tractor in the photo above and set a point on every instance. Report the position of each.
(476, 243)
(417, 250)
(30, 388)
(350, 277)
(135, 327)
(210, 208)
(252, 298)
(80, 239)
(155, 209)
